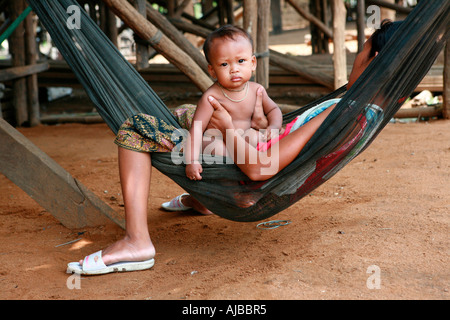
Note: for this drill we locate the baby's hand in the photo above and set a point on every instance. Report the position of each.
(193, 171)
(271, 133)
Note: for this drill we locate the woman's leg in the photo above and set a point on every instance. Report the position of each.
(135, 174)
(190, 201)
(261, 166)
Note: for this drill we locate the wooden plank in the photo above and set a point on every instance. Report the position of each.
(426, 112)
(66, 198)
(304, 70)
(23, 71)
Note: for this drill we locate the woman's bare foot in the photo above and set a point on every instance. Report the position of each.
(128, 249)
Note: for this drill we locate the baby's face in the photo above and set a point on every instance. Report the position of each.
(232, 62)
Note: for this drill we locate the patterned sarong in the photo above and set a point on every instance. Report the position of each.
(146, 133)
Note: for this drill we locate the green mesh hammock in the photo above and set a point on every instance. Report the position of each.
(119, 92)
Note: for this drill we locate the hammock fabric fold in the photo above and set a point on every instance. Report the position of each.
(119, 93)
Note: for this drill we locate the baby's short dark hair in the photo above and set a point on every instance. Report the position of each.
(382, 35)
(227, 31)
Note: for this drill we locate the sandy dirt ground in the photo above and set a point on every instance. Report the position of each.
(377, 230)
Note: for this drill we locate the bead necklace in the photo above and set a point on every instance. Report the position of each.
(235, 100)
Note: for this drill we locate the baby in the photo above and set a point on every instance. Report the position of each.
(229, 52)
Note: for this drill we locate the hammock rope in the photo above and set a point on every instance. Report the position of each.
(119, 92)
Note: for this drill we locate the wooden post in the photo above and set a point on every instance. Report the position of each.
(160, 42)
(17, 49)
(112, 27)
(221, 12)
(446, 79)
(277, 21)
(32, 82)
(171, 5)
(339, 53)
(92, 10)
(251, 19)
(262, 49)
(2, 88)
(142, 54)
(108, 23)
(230, 11)
(361, 23)
(67, 199)
(22, 71)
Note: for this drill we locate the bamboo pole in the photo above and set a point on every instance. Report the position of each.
(160, 42)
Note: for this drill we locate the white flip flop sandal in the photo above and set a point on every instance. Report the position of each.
(175, 204)
(94, 265)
